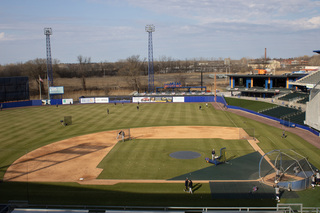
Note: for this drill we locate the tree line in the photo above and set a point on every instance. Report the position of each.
(131, 67)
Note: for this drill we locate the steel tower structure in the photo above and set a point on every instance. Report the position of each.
(150, 29)
(48, 32)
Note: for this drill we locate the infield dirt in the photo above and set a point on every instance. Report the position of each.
(76, 159)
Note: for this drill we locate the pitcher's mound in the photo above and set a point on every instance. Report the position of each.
(185, 155)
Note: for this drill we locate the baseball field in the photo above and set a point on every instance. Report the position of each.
(44, 162)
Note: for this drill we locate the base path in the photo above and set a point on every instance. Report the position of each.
(76, 159)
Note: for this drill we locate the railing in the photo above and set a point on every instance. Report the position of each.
(284, 208)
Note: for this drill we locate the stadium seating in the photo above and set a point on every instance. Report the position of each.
(297, 118)
(294, 95)
(280, 111)
(304, 100)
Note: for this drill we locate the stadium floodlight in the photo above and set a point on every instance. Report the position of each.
(150, 28)
(47, 31)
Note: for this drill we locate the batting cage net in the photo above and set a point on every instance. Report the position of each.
(123, 135)
(285, 168)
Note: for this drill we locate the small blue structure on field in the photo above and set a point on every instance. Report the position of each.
(218, 159)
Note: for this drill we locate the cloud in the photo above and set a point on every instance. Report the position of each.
(1, 36)
(314, 22)
(291, 15)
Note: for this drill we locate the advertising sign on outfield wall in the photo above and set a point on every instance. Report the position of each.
(141, 99)
(86, 100)
(151, 99)
(67, 101)
(161, 99)
(102, 100)
(178, 99)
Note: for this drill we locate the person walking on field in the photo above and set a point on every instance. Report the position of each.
(277, 190)
(313, 180)
(186, 184)
(317, 177)
(190, 186)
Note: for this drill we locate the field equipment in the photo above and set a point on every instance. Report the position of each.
(124, 134)
(219, 159)
(286, 168)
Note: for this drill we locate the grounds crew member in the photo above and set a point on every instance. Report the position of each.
(190, 187)
(186, 183)
(213, 153)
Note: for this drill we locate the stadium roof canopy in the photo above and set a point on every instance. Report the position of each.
(309, 80)
(316, 51)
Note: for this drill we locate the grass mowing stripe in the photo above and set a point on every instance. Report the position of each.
(21, 135)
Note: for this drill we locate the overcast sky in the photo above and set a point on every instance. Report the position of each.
(110, 30)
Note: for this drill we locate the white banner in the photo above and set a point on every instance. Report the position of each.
(140, 99)
(178, 99)
(67, 101)
(102, 100)
(86, 100)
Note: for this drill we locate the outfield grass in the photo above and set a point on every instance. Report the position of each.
(25, 129)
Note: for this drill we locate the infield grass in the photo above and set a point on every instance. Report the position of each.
(150, 159)
(26, 129)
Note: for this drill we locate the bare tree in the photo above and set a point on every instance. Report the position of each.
(131, 69)
(84, 63)
(36, 68)
(315, 60)
(12, 70)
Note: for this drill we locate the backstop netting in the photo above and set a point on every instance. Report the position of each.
(287, 168)
(123, 135)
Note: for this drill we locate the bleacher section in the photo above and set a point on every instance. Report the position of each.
(298, 118)
(304, 100)
(312, 78)
(280, 111)
(293, 95)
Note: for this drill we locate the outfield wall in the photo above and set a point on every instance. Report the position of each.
(35, 103)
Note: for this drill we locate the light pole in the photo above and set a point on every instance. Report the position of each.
(48, 32)
(150, 29)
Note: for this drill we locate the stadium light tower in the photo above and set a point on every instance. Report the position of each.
(150, 29)
(48, 32)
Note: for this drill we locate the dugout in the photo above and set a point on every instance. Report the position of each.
(14, 89)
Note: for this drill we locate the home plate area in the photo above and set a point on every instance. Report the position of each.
(237, 179)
